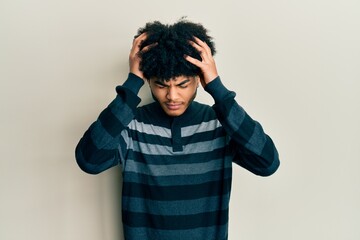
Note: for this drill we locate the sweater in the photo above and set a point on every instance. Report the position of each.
(176, 171)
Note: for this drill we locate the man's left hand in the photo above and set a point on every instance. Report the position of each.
(207, 65)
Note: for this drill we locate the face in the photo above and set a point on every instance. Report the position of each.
(175, 95)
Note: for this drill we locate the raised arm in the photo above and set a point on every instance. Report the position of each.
(98, 149)
(253, 148)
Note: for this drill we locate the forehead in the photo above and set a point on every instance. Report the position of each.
(175, 79)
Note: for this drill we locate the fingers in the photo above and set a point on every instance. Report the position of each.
(207, 62)
(148, 47)
(137, 42)
(194, 61)
(203, 49)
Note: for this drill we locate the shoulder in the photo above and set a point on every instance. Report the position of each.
(203, 109)
(199, 112)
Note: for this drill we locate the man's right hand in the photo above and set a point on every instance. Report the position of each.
(134, 56)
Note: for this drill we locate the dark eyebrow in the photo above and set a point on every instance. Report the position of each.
(179, 84)
(160, 83)
(183, 82)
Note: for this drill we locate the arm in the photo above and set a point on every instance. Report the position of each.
(254, 149)
(98, 149)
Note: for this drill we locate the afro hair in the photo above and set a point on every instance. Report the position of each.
(165, 60)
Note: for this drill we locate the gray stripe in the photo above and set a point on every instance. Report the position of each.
(176, 169)
(208, 233)
(257, 140)
(149, 129)
(121, 111)
(206, 146)
(184, 207)
(235, 117)
(202, 127)
(200, 147)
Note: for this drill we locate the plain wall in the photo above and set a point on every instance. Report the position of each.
(295, 66)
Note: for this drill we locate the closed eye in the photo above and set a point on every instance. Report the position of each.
(183, 86)
(160, 86)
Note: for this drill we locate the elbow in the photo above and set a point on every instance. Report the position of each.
(85, 165)
(95, 162)
(269, 167)
(269, 170)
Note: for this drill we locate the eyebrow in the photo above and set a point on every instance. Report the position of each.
(179, 84)
(183, 82)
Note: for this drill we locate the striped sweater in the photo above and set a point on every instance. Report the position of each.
(177, 171)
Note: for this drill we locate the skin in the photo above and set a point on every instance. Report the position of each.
(176, 95)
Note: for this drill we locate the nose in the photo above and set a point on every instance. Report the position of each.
(172, 94)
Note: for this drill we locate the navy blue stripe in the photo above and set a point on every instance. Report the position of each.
(110, 123)
(92, 154)
(257, 164)
(218, 153)
(149, 138)
(269, 150)
(245, 131)
(155, 139)
(181, 192)
(178, 179)
(99, 161)
(176, 137)
(208, 233)
(185, 207)
(206, 219)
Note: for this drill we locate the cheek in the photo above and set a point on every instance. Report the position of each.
(157, 93)
(190, 94)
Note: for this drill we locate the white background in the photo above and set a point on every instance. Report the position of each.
(295, 66)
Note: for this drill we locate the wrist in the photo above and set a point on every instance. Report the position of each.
(137, 73)
(217, 90)
(133, 83)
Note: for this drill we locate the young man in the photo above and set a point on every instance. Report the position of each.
(176, 154)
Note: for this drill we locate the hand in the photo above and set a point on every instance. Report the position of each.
(135, 52)
(207, 65)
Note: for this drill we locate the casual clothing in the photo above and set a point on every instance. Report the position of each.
(177, 171)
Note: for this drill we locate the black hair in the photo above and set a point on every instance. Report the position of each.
(165, 60)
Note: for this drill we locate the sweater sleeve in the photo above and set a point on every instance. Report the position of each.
(98, 149)
(254, 149)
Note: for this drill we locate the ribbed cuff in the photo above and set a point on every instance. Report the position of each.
(217, 90)
(133, 83)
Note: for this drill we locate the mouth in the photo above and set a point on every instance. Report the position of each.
(173, 106)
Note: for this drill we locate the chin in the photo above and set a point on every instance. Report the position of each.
(174, 113)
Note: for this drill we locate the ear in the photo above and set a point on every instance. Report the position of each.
(197, 78)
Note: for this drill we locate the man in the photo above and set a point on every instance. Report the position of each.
(176, 154)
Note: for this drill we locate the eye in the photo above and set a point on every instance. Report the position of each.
(160, 86)
(183, 86)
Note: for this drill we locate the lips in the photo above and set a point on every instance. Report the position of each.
(173, 106)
